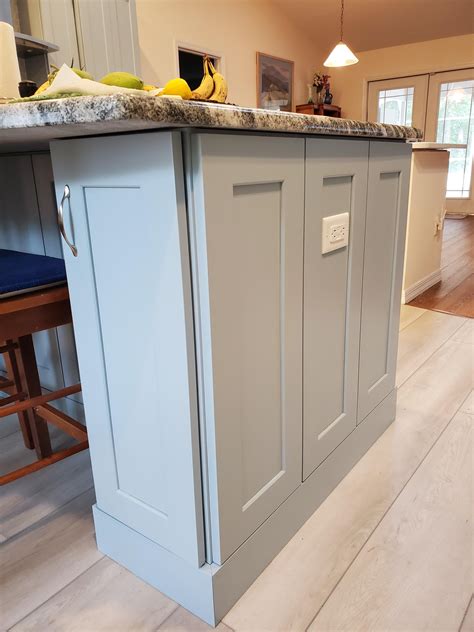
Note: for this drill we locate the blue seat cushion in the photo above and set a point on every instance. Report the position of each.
(20, 271)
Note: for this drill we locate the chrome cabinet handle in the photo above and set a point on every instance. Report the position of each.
(66, 196)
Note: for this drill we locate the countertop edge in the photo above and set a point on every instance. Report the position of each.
(146, 112)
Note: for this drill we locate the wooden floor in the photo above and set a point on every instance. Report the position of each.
(455, 293)
(390, 550)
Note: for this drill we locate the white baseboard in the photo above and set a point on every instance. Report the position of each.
(420, 286)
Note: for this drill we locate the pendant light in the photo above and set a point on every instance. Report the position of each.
(341, 54)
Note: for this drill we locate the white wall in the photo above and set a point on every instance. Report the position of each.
(236, 29)
(349, 85)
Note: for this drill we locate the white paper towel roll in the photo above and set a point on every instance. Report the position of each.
(9, 68)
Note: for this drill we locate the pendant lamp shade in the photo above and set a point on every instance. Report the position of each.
(341, 54)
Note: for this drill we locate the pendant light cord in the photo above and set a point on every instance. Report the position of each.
(342, 17)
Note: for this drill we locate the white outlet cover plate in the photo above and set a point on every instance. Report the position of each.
(335, 232)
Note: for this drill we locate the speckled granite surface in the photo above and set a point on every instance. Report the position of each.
(80, 116)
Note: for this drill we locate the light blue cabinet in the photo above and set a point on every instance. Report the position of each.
(131, 304)
(336, 182)
(385, 234)
(232, 374)
(247, 243)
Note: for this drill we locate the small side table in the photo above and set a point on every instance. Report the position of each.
(321, 110)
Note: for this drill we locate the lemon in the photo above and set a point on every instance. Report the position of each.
(177, 87)
(123, 80)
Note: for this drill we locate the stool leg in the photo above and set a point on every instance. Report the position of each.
(26, 359)
(23, 417)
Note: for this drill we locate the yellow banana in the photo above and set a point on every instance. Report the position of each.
(220, 86)
(205, 89)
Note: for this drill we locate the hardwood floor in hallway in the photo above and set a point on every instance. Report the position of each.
(455, 293)
(389, 550)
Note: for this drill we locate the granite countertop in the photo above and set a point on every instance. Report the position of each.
(438, 146)
(33, 123)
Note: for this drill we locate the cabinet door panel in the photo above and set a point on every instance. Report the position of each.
(131, 303)
(336, 182)
(248, 231)
(387, 201)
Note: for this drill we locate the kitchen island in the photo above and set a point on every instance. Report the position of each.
(235, 280)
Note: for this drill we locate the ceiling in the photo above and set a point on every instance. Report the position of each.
(372, 24)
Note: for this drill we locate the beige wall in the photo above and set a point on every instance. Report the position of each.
(234, 28)
(349, 85)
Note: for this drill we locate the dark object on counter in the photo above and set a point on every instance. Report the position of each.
(319, 109)
(328, 96)
(27, 88)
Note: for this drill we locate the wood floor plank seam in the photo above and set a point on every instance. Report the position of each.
(464, 319)
(168, 617)
(12, 627)
(413, 321)
(382, 518)
(45, 518)
(465, 613)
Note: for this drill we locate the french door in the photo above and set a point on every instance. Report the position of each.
(400, 101)
(450, 119)
(441, 105)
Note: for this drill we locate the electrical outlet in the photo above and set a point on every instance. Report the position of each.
(335, 233)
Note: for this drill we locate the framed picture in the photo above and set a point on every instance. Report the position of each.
(274, 83)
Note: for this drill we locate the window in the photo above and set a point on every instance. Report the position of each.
(396, 106)
(191, 66)
(455, 125)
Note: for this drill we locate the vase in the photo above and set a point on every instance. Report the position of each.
(319, 97)
(310, 94)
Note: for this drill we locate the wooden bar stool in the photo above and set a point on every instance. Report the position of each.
(33, 297)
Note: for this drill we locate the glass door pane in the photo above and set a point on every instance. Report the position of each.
(449, 120)
(396, 106)
(398, 101)
(455, 125)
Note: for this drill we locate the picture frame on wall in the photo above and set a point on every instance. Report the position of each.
(275, 82)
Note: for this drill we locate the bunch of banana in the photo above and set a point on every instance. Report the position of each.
(213, 87)
(206, 87)
(220, 86)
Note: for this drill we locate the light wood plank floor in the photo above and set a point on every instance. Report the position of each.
(390, 550)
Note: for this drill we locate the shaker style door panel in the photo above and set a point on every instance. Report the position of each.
(387, 201)
(248, 254)
(336, 182)
(131, 304)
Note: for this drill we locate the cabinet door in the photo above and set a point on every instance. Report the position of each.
(108, 33)
(336, 182)
(131, 304)
(248, 249)
(387, 202)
